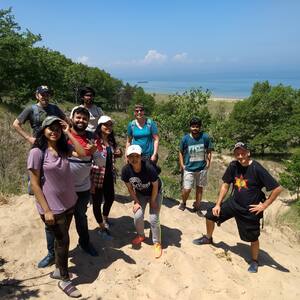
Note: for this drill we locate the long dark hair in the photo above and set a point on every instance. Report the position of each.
(41, 142)
(111, 136)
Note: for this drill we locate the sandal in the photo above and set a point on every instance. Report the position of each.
(70, 290)
(182, 206)
(58, 277)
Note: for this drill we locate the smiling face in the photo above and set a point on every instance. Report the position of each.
(195, 129)
(139, 113)
(242, 156)
(80, 122)
(106, 128)
(134, 159)
(53, 132)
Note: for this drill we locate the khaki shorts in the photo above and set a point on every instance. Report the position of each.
(200, 179)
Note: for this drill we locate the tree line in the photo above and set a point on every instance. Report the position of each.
(24, 66)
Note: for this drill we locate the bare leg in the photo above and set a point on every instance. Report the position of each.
(199, 193)
(210, 226)
(185, 194)
(254, 250)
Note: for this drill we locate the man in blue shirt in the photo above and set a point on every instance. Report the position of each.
(194, 160)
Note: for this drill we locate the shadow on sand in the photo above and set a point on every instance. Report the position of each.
(243, 250)
(123, 231)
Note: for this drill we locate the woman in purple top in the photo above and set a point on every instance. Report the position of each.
(53, 187)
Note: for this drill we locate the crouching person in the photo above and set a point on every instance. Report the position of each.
(144, 187)
(246, 203)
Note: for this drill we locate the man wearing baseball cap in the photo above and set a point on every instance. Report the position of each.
(36, 114)
(246, 202)
(144, 187)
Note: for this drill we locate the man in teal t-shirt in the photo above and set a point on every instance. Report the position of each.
(194, 160)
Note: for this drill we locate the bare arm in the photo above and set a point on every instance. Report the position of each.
(181, 162)
(128, 143)
(155, 146)
(38, 193)
(18, 127)
(154, 193)
(258, 208)
(208, 159)
(223, 191)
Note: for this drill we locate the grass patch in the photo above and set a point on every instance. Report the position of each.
(292, 216)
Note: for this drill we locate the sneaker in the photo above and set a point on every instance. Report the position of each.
(105, 234)
(138, 240)
(89, 249)
(157, 250)
(182, 206)
(47, 261)
(253, 268)
(204, 240)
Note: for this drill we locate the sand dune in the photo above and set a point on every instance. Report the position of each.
(185, 271)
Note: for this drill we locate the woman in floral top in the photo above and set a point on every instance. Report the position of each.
(103, 173)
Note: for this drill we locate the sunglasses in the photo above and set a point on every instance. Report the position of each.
(88, 95)
(55, 128)
(138, 110)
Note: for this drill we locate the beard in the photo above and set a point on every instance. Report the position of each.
(80, 128)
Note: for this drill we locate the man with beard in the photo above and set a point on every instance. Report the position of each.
(194, 161)
(81, 168)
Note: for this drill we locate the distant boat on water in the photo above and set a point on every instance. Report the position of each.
(145, 81)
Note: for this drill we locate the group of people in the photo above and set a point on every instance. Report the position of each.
(72, 161)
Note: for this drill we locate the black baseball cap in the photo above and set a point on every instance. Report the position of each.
(42, 89)
(240, 145)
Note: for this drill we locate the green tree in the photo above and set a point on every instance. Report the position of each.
(264, 119)
(290, 178)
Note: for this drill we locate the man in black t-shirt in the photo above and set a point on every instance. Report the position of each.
(144, 186)
(246, 203)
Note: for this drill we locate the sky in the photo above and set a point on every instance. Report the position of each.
(168, 38)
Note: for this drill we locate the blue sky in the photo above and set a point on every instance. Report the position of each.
(168, 38)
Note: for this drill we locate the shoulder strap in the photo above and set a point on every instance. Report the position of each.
(36, 115)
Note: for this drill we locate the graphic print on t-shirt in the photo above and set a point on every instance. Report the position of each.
(197, 152)
(137, 184)
(240, 182)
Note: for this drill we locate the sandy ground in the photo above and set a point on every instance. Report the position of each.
(185, 271)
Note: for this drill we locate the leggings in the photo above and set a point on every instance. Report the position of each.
(108, 193)
(154, 216)
(62, 240)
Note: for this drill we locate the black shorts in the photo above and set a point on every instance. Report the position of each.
(248, 224)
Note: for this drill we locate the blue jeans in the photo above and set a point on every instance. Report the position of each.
(81, 218)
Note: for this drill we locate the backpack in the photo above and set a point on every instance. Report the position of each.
(36, 114)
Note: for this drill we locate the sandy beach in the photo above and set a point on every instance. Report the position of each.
(185, 271)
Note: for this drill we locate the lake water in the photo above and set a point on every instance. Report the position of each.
(226, 86)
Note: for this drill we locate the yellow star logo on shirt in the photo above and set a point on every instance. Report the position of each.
(240, 182)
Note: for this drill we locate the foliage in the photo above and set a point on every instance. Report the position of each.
(24, 66)
(140, 97)
(173, 117)
(266, 120)
(290, 178)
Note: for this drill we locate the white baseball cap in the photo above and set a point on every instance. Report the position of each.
(134, 149)
(104, 119)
